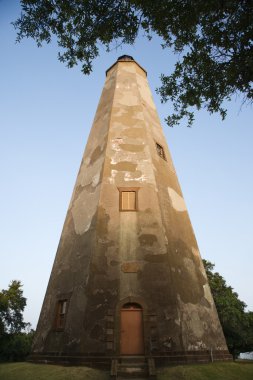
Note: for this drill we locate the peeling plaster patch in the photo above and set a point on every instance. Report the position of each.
(146, 170)
(147, 239)
(202, 269)
(177, 201)
(86, 161)
(140, 179)
(114, 161)
(196, 324)
(116, 142)
(192, 317)
(128, 177)
(115, 147)
(164, 231)
(195, 252)
(102, 145)
(86, 174)
(178, 319)
(119, 157)
(133, 147)
(207, 293)
(113, 175)
(82, 216)
(189, 264)
(95, 180)
(127, 166)
(198, 346)
(95, 154)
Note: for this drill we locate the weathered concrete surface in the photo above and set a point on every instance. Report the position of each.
(150, 256)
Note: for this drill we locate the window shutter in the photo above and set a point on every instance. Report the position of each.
(160, 151)
(61, 314)
(131, 200)
(124, 200)
(128, 200)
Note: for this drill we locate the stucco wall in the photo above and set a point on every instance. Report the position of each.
(107, 257)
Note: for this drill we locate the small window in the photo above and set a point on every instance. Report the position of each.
(160, 151)
(61, 314)
(128, 200)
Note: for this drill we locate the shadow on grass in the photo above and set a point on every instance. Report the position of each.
(28, 371)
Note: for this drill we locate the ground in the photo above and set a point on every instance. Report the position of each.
(217, 371)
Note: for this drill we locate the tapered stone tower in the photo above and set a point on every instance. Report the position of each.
(128, 278)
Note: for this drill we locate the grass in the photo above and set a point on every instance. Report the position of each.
(215, 371)
(28, 371)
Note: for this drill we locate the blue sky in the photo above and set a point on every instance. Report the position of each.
(46, 112)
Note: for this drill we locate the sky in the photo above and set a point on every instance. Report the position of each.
(46, 112)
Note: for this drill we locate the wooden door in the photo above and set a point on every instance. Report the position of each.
(131, 332)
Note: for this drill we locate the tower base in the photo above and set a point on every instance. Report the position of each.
(104, 361)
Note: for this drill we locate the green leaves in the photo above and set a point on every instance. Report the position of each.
(213, 40)
(12, 304)
(16, 347)
(15, 343)
(237, 324)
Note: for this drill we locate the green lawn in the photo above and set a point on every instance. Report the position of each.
(216, 371)
(28, 371)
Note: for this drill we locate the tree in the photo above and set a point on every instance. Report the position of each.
(15, 335)
(237, 324)
(12, 304)
(213, 40)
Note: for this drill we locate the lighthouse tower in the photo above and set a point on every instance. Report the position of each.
(128, 280)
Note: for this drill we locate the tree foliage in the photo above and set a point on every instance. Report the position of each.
(237, 324)
(16, 347)
(12, 304)
(213, 41)
(15, 334)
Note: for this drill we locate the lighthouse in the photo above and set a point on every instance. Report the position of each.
(128, 280)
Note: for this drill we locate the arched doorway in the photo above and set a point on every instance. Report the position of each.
(131, 330)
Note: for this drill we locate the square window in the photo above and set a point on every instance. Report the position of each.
(61, 311)
(160, 151)
(128, 200)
